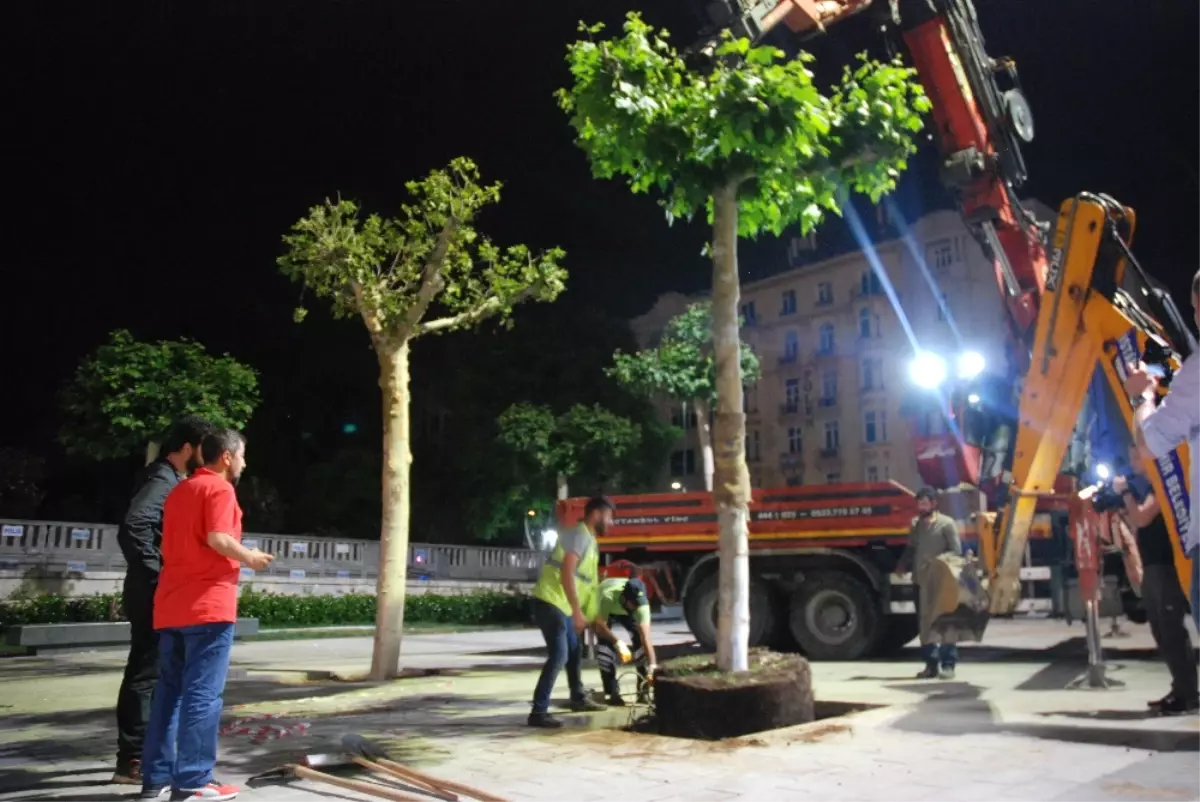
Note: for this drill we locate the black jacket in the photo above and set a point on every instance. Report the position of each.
(140, 533)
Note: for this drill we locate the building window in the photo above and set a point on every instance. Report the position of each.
(832, 438)
(749, 314)
(801, 245)
(872, 473)
(791, 395)
(683, 416)
(789, 303)
(826, 342)
(833, 478)
(824, 294)
(828, 388)
(753, 446)
(749, 399)
(940, 253)
(875, 426)
(943, 307)
(791, 347)
(795, 440)
(683, 463)
(872, 374)
(793, 481)
(864, 323)
(929, 424)
(870, 284)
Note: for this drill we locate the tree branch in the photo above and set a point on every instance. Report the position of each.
(488, 307)
(431, 277)
(368, 315)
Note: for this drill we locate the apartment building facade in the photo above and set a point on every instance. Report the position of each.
(834, 337)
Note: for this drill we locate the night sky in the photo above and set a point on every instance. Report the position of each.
(154, 155)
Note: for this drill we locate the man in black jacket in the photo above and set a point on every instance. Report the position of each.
(140, 538)
(1166, 604)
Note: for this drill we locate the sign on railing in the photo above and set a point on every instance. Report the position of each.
(68, 547)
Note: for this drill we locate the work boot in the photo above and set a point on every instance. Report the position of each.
(585, 706)
(543, 721)
(929, 672)
(947, 672)
(127, 773)
(1174, 705)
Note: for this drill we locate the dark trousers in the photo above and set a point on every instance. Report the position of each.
(608, 659)
(141, 667)
(562, 651)
(1166, 607)
(185, 719)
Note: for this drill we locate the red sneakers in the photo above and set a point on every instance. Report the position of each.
(214, 792)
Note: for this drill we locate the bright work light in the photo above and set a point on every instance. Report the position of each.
(970, 365)
(927, 370)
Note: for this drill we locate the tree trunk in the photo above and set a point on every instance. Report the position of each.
(732, 478)
(704, 432)
(562, 490)
(152, 449)
(393, 536)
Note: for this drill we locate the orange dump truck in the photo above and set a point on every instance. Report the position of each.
(821, 561)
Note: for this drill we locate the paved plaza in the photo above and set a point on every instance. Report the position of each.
(1006, 729)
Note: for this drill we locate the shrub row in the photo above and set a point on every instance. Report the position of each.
(272, 610)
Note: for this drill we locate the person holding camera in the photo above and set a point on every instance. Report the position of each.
(1166, 606)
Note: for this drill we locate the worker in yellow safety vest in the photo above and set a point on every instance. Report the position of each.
(565, 602)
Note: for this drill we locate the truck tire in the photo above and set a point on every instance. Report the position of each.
(834, 616)
(701, 613)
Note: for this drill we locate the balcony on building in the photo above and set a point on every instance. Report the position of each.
(791, 462)
(790, 408)
(828, 453)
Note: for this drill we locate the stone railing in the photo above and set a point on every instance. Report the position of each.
(65, 548)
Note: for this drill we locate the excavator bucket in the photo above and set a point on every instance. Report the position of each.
(960, 607)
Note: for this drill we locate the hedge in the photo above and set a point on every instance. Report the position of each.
(272, 610)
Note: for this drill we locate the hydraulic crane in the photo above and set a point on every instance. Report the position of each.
(1076, 299)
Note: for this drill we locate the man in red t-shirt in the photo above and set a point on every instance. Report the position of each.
(195, 608)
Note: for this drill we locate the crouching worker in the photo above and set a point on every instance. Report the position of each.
(624, 601)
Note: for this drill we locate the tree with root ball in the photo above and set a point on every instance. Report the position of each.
(749, 139)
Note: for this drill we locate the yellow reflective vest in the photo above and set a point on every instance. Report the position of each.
(549, 586)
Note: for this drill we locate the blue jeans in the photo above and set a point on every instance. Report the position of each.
(562, 649)
(944, 655)
(185, 716)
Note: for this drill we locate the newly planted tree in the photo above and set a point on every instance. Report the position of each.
(682, 367)
(126, 394)
(749, 139)
(394, 273)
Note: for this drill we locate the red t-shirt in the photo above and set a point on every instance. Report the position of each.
(197, 585)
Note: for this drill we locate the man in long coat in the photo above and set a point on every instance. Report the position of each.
(932, 535)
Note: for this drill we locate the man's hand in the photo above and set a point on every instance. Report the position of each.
(901, 569)
(1140, 383)
(579, 621)
(258, 560)
(1120, 484)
